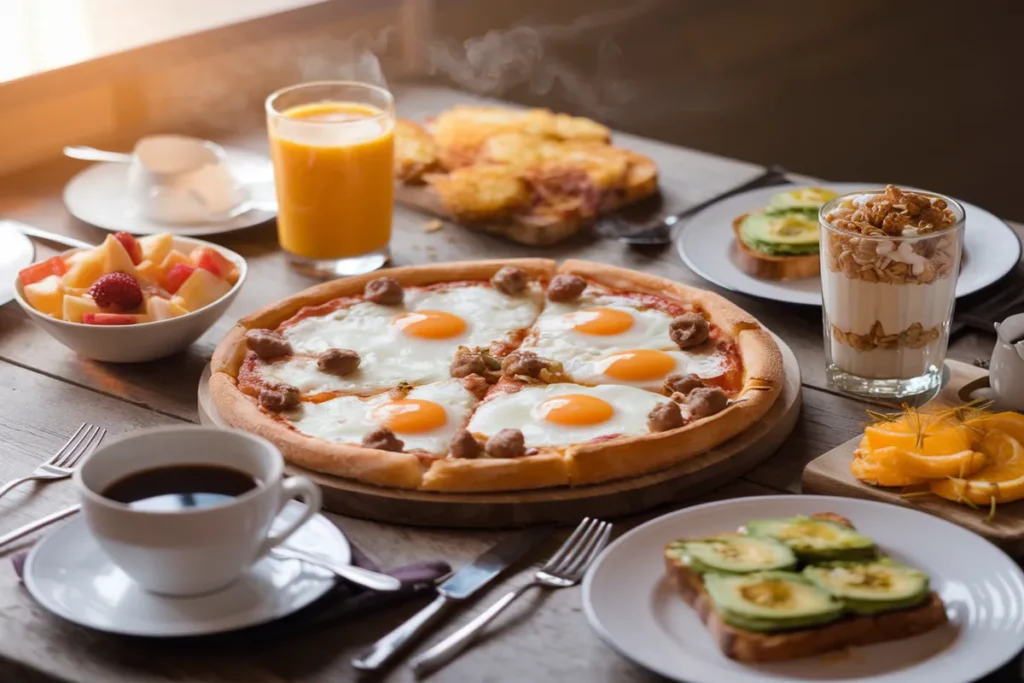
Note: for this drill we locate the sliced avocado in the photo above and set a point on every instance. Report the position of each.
(771, 601)
(807, 200)
(789, 234)
(815, 540)
(733, 554)
(871, 587)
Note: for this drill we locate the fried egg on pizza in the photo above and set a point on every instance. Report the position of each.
(486, 376)
(561, 414)
(424, 419)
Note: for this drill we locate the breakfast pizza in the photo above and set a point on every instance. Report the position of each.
(532, 175)
(496, 375)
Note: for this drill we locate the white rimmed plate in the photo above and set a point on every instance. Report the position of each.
(991, 248)
(634, 609)
(68, 574)
(99, 196)
(16, 252)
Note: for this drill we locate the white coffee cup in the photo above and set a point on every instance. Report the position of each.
(179, 180)
(192, 551)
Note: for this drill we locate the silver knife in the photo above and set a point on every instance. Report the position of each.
(46, 521)
(468, 580)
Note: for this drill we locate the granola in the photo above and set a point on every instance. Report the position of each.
(866, 245)
(914, 337)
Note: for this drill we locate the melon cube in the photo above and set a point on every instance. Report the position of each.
(84, 267)
(116, 258)
(46, 296)
(173, 259)
(155, 248)
(77, 306)
(150, 271)
(159, 308)
(201, 288)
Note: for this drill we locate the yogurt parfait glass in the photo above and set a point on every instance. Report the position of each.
(889, 265)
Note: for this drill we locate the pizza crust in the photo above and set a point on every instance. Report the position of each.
(575, 465)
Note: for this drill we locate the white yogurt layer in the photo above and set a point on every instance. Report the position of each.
(855, 305)
(879, 363)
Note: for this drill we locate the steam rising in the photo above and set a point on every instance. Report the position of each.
(493, 64)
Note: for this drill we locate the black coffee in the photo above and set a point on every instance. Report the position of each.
(180, 487)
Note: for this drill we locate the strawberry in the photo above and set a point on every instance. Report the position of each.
(117, 291)
(108, 319)
(212, 260)
(176, 276)
(39, 271)
(131, 245)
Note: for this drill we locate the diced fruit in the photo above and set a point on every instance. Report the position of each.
(77, 306)
(177, 275)
(217, 263)
(115, 257)
(159, 308)
(201, 288)
(42, 270)
(110, 319)
(84, 267)
(46, 295)
(118, 292)
(155, 248)
(131, 246)
(149, 271)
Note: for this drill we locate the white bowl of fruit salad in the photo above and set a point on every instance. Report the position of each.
(130, 299)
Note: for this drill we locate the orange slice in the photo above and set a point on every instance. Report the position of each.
(962, 464)
(921, 433)
(1012, 424)
(1002, 479)
(876, 466)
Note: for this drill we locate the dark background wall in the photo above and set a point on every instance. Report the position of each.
(922, 92)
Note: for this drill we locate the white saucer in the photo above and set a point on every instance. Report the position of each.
(68, 574)
(16, 252)
(991, 248)
(634, 608)
(99, 196)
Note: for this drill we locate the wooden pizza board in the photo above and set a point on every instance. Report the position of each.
(829, 474)
(565, 505)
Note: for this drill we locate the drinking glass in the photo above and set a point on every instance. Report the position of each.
(332, 144)
(887, 303)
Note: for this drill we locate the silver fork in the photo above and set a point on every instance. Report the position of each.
(565, 569)
(62, 464)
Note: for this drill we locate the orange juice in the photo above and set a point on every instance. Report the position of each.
(333, 174)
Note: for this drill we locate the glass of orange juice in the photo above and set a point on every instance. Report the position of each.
(332, 144)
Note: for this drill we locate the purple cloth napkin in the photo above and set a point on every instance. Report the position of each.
(345, 598)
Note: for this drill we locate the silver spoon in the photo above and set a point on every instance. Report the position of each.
(92, 154)
(364, 577)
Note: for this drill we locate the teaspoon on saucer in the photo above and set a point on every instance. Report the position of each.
(363, 577)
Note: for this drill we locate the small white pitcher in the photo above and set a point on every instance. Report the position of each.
(1006, 370)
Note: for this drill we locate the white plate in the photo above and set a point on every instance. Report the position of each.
(633, 608)
(68, 574)
(16, 252)
(99, 196)
(991, 248)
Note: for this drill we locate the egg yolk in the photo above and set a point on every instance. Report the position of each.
(431, 324)
(639, 365)
(410, 415)
(601, 321)
(575, 410)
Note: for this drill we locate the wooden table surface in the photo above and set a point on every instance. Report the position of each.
(46, 392)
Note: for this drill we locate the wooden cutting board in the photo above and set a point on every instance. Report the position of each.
(829, 474)
(563, 505)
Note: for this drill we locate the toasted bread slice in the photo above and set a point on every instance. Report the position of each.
(415, 151)
(769, 266)
(751, 646)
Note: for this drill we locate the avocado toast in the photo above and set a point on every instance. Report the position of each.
(781, 242)
(787, 588)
